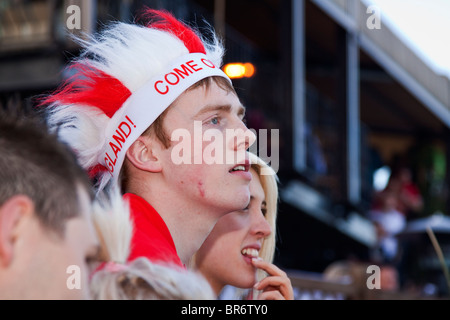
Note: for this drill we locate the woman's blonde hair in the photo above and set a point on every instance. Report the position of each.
(139, 279)
(143, 280)
(269, 183)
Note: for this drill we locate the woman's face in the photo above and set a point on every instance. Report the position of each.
(225, 256)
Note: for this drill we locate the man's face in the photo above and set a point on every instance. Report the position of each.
(56, 267)
(212, 119)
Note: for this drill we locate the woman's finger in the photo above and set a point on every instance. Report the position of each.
(271, 295)
(282, 284)
(270, 268)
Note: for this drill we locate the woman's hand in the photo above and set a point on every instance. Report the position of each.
(276, 286)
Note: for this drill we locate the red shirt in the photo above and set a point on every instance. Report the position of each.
(151, 237)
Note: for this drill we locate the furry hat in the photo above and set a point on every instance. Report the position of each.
(125, 77)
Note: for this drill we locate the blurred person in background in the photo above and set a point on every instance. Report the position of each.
(409, 198)
(388, 222)
(46, 234)
(238, 252)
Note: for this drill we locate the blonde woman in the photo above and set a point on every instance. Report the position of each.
(239, 250)
(140, 279)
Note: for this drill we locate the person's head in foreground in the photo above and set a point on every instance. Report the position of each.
(240, 249)
(140, 279)
(150, 109)
(46, 232)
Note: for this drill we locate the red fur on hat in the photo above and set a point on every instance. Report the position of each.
(165, 21)
(95, 170)
(93, 87)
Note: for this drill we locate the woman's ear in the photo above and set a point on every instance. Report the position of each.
(144, 154)
(12, 212)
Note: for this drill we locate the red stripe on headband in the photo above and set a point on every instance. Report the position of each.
(165, 21)
(92, 87)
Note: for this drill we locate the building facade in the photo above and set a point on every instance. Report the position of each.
(344, 95)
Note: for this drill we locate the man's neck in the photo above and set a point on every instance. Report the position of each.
(189, 224)
(189, 227)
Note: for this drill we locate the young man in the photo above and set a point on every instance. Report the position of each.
(140, 93)
(46, 232)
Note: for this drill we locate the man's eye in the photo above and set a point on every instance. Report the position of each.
(214, 120)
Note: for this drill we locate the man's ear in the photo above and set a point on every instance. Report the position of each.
(12, 212)
(144, 154)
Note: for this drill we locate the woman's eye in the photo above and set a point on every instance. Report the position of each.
(245, 210)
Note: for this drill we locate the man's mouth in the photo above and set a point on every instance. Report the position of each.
(241, 167)
(238, 168)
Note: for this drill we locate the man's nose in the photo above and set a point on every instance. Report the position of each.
(243, 137)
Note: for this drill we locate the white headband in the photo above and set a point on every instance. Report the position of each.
(145, 105)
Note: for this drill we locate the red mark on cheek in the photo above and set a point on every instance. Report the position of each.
(201, 189)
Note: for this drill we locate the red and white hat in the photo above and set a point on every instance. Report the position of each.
(125, 78)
